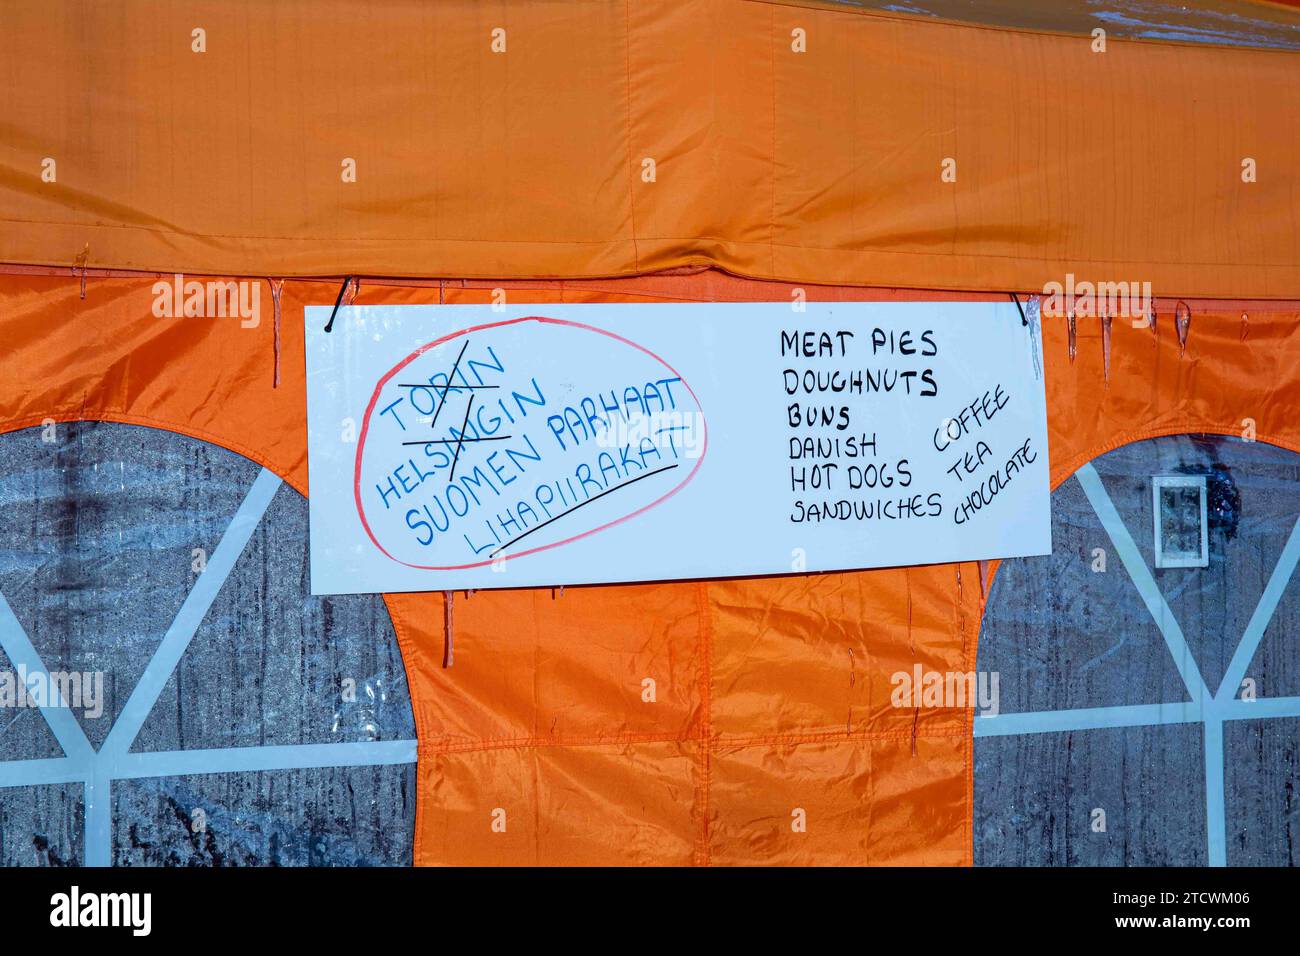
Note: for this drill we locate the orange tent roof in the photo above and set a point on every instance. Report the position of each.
(609, 140)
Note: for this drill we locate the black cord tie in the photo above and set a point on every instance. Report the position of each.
(1014, 298)
(329, 326)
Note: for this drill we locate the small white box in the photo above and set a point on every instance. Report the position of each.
(1180, 521)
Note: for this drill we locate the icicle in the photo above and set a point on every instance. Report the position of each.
(1106, 321)
(1033, 308)
(277, 288)
(448, 626)
(83, 257)
(984, 580)
(1245, 326)
(1182, 324)
(1073, 327)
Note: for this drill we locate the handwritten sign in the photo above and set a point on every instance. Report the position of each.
(456, 447)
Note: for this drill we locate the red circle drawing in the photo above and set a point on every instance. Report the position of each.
(374, 399)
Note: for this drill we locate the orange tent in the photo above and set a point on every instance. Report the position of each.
(659, 152)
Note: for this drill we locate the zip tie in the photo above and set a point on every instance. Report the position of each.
(1016, 299)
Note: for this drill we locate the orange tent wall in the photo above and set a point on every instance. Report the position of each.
(822, 166)
(773, 693)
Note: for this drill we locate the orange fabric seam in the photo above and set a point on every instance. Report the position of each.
(627, 102)
(444, 746)
(706, 728)
(703, 259)
(971, 660)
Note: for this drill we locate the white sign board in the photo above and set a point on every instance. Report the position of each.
(467, 446)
